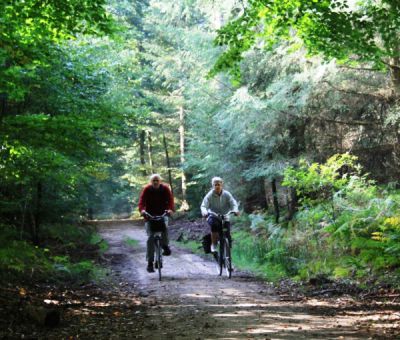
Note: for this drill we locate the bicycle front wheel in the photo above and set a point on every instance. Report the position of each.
(158, 257)
(227, 258)
(220, 257)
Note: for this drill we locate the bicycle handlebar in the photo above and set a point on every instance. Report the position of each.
(155, 217)
(210, 212)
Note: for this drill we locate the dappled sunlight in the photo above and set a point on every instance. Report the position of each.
(99, 304)
(294, 103)
(193, 299)
(235, 314)
(280, 319)
(231, 291)
(198, 296)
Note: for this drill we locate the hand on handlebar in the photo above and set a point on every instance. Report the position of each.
(210, 212)
(145, 214)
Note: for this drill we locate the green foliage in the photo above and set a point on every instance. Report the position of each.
(264, 248)
(19, 257)
(73, 267)
(78, 272)
(70, 234)
(351, 233)
(193, 246)
(130, 242)
(95, 239)
(345, 30)
(62, 138)
(361, 236)
(83, 118)
(35, 28)
(317, 182)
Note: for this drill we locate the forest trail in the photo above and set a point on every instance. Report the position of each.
(193, 302)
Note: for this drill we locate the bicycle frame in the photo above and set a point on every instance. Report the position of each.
(157, 241)
(158, 253)
(223, 257)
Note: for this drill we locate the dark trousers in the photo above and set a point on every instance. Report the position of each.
(150, 240)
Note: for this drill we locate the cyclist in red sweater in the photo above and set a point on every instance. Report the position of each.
(156, 198)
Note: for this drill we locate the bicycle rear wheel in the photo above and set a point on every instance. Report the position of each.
(227, 258)
(158, 257)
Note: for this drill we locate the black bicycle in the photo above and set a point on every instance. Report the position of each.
(157, 227)
(223, 256)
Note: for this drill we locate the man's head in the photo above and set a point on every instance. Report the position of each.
(217, 184)
(155, 180)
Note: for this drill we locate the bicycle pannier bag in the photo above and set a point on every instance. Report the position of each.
(206, 242)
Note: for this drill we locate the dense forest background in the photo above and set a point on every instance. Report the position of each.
(295, 104)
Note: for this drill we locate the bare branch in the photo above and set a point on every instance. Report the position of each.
(378, 96)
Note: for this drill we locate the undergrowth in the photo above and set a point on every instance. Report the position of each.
(346, 227)
(66, 253)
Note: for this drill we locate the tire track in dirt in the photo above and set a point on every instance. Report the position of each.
(193, 302)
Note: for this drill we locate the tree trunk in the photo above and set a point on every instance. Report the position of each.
(168, 162)
(24, 212)
(292, 203)
(275, 200)
(395, 74)
(36, 217)
(150, 151)
(266, 194)
(185, 205)
(89, 204)
(3, 105)
(142, 152)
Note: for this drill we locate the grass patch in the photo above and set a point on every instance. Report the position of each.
(193, 246)
(130, 242)
(96, 239)
(262, 253)
(66, 253)
(78, 272)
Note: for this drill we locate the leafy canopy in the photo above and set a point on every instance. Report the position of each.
(28, 29)
(365, 30)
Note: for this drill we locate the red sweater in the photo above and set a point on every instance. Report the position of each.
(156, 201)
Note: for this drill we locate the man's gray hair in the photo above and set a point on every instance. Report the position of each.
(153, 176)
(216, 179)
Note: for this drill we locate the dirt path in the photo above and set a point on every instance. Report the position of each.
(192, 302)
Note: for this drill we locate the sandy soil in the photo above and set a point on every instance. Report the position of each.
(193, 302)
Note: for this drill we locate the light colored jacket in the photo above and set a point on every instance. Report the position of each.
(220, 204)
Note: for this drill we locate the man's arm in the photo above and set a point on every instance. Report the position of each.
(142, 200)
(170, 201)
(233, 204)
(205, 205)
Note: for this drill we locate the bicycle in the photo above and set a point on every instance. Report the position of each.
(223, 256)
(157, 226)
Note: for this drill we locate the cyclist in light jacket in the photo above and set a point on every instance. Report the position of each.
(221, 202)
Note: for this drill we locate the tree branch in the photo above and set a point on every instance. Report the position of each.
(378, 96)
(360, 68)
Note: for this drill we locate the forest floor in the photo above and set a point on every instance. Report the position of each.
(193, 302)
